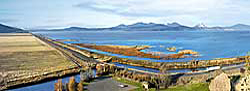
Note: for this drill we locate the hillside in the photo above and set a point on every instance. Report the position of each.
(8, 29)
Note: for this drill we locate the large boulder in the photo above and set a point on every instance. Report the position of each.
(243, 84)
(3, 77)
(145, 85)
(220, 83)
(171, 49)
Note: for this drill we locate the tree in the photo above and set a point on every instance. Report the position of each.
(58, 85)
(72, 84)
(247, 58)
(155, 82)
(248, 53)
(161, 80)
(80, 86)
(164, 80)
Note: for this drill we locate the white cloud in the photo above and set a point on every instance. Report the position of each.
(151, 8)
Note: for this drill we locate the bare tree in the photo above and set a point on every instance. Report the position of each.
(87, 75)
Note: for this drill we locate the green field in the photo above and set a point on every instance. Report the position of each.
(192, 87)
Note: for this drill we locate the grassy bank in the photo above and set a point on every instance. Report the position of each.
(191, 87)
(137, 84)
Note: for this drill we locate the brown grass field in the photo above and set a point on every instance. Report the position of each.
(23, 56)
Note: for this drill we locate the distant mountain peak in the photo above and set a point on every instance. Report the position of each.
(140, 26)
(139, 23)
(174, 24)
(240, 26)
(121, 26)
(201, 25)
(75, 28)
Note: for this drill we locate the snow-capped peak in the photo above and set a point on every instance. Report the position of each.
(201, 25)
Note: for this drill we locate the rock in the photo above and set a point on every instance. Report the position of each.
(3, 77)
(162, 46)
(105, 59)
(188, 52)
(171, 49)
(1, 81)
(220, 83)
(145, 85)
(243, 84)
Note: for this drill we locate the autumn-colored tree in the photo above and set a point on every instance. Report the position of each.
(80, 86)
(58, 85)
(164, 80)
(72, 84)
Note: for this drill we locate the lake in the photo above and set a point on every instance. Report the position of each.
(210, 44)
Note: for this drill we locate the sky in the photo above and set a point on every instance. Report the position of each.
(48, 14)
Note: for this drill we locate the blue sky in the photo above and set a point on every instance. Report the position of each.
(37, 14)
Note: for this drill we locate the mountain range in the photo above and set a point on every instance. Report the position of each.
(140, 26)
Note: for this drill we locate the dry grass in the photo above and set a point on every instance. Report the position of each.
(22, 43)
(24, 34)
(24, 56)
